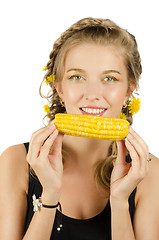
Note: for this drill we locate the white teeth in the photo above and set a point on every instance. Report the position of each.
(94, 111)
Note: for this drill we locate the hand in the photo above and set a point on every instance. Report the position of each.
(47, 166)
(126, 176)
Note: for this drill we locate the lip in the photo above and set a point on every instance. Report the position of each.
(95, 107)
(93, 114)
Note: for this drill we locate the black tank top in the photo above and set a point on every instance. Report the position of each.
(98, 227)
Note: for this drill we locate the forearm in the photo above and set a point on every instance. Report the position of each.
(42, 222)
(41, 225)
(121, 226)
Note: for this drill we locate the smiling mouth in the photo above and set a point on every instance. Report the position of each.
(93, 111)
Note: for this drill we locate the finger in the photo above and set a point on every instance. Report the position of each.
(140, 140)
(133, 154)
(37, 140)
(56, 155)
(142, 152)
(139, 165)
(57, 149)
(42, 130)
(121, 152)
(45, 149)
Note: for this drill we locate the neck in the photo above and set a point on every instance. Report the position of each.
(84, 152)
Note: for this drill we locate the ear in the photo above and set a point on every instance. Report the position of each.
(58, 87)
(131, 89)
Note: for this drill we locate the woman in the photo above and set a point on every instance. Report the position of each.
(94, 69)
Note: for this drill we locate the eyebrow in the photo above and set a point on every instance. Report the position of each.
(83, 71)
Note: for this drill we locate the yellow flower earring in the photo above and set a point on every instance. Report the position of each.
(133, 106)
(122, 116)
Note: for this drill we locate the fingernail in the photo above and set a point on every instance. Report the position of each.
(127, 142)
(51, 124)
(130, 136)
(56, 131)
(131, 130)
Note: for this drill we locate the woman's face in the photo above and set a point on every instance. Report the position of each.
(94, 81)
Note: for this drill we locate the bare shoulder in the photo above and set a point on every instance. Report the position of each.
(14, 187)
(14, 165)
(146, 216)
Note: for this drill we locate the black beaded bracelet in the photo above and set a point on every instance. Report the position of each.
(37, 203)
(50, 206)
(59, 223)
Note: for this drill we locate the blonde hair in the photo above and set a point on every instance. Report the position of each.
(100, 31)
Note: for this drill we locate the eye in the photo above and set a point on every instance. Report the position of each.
(76, 78)
(110, 79)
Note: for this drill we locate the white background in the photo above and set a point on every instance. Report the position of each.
(28, 30)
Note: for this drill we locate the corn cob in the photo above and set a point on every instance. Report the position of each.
(90, 126)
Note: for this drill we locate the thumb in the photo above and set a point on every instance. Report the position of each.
(57, 145)
(121, 152)
(56, 154)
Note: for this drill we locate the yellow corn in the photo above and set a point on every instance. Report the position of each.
(90, 126)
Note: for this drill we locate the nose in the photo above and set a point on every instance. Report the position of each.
(92, 91)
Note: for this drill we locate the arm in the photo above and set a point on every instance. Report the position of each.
(13, 201)
(146, 218)
(125, 177)
(48, 167)
(121, 221)
(41, 225)
(13, 185)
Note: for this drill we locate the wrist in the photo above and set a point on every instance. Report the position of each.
(38, 204)
(117, 202)
(50, 198)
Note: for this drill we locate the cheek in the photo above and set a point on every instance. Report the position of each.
(70, 92)
(116, 101)
(117, 96)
